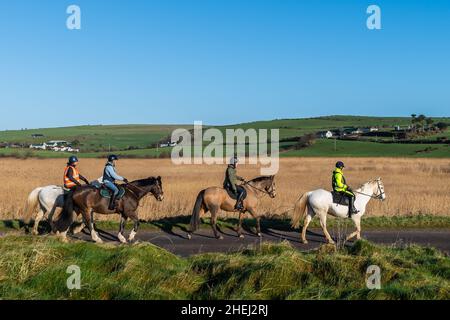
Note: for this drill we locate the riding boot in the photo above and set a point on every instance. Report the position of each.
(239, 206)
(112, 203)
(351, 207)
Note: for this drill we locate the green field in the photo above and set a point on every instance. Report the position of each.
(139, 140)
(36, 268)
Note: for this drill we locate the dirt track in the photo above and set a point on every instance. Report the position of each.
(203, 240)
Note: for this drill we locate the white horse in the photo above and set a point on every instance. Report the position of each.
(320, 202)
(46, 200)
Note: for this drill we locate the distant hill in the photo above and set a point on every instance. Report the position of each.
(140, 140)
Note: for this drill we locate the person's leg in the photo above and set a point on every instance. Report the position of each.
(351, 205)
(240, 194)
(111, 186)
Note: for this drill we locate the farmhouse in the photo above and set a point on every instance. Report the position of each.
(324, 134)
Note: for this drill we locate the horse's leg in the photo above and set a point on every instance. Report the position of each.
(214, 211)
(89, 217)
(357, 233)
(239, 229)
(133, 232)
(306, 222)
(323, 224)
(258, 221)
(123, 221)
(80, 228)
(38, 219)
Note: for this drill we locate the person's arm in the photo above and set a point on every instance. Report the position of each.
(240, 178)
(339, 181)
(84, 179)
(71, 178)
(112, 173)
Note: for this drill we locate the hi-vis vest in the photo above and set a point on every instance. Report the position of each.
(76, 175)
(338, 181)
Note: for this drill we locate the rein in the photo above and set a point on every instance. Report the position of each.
(378, 196)
(263, 191)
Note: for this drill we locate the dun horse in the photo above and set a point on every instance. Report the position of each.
(320, 202)
(86, 200)
(214, 198)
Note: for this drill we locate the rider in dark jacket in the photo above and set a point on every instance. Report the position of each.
(231, 180)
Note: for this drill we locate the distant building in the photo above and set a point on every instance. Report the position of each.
(37, 135)
(325, 134)
(167, 144)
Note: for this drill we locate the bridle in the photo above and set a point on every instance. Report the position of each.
(259, 189)
(139, 188)
(378, 196)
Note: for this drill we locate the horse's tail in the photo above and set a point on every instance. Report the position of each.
(65, 218)
(31, 205)
(299, 210)
(195, 218)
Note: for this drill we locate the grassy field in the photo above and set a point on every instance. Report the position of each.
(96, 140)
(413, 186)
(35, 268)
(346, 148)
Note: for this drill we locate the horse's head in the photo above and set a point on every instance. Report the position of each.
(379, 189)
(157, 189)
(152, 185)
(267, 183)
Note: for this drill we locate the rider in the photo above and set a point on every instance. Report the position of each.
(231, 179)
(109, 177)
(339, 185)
(72, 176)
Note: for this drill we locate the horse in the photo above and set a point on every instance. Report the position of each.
(320, 202)
(214, 198)
(86, 200)
(47, 199)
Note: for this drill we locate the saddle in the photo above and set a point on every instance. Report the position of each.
(233, 195)
(340, 198)
(106, 193)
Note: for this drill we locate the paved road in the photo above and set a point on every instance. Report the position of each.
(203, 241)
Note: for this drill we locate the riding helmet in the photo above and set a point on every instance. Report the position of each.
(340, 164)
(234, 160)
(112, 157)
(73, 159)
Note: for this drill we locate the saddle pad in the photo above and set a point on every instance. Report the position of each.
(234, 196)
(106, 193)
(339, 198)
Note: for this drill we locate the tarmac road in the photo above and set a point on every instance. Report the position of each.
(203, 241)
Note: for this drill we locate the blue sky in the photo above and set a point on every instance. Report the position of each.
(220, 61)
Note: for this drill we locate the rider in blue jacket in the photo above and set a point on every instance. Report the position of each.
(109, 177)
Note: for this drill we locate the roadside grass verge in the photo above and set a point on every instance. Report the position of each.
(420, 221)
(35, 268)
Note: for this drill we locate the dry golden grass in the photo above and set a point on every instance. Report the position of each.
(412, 185)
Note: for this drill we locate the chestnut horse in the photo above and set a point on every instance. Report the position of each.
(214, 198)
(86, 200)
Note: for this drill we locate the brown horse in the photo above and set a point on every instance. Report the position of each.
(214, 198)
(86, 200)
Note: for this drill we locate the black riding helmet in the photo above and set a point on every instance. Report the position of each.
(112, 157)
(340, 165)
(73, 159)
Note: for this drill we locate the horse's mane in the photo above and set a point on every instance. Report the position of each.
(261, 178)
(366, 183)
(144, 182)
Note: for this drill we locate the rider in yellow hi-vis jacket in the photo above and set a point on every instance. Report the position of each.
(339, 185)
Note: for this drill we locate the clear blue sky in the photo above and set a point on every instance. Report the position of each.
(220, 61)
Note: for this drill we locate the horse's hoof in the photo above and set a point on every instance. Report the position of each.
(220, 238)
(260, 234)
(122, 238)
(241, 236)
(305, 241)
(189, 236)
(35, 233)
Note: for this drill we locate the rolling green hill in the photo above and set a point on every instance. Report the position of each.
(140, 140)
